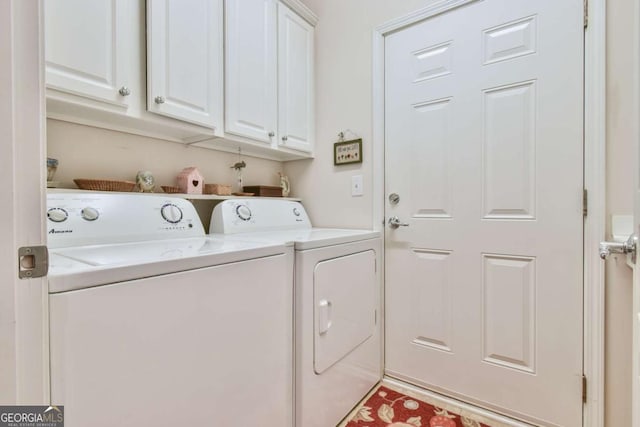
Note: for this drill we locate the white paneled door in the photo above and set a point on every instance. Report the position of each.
(484, 147)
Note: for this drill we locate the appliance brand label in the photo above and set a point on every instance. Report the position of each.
(54, 231)
(32, 416)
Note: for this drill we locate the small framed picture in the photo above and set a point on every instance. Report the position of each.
(347, 152)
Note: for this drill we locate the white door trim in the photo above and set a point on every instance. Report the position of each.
(594, 178)
(24, 356)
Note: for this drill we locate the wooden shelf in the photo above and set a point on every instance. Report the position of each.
(183, 196)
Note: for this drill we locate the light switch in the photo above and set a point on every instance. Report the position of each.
(356, 186)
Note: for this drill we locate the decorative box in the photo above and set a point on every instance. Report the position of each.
(219, 189)
(263, 190)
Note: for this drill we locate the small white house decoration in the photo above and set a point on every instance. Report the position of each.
(190, 181)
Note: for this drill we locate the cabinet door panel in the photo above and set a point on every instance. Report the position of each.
(83, 51)
(295, 89)
(184, 52)
(251, 67)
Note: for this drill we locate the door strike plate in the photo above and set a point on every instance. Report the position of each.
(33, 261)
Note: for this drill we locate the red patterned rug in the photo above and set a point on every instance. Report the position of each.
(388, 408)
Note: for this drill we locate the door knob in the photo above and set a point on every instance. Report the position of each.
(628, 247)
(159, 100)
(394, 222)
(124, 91)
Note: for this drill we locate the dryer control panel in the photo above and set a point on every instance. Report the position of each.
(75, 218)
(245, 215)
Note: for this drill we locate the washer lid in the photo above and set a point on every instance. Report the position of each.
(320, 237)
(87, 266)
(306, 238)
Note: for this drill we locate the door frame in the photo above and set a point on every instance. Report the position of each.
(24, 333)
(594, 177)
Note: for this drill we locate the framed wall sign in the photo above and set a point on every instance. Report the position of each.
(347, 152)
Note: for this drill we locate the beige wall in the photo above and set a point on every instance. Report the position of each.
(344, 101)
(87, 152)
(620, 178)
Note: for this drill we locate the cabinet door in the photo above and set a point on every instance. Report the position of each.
(184, 60)
(295, 86)
(251, 69)
(84, 43)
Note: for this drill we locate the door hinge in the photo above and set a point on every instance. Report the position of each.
(584, 389)
(585, 202)
(586, 13)
(33, 261)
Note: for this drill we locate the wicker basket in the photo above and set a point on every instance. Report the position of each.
(219, 189)
(104, 185)
(170, 189)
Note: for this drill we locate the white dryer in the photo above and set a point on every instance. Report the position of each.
(152, 323)
(338, 345)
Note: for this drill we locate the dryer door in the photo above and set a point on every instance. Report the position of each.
(344, 301)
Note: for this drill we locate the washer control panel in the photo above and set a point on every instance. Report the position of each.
(245, 215)
(75, 218)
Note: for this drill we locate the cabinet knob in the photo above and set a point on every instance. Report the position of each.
(124, 91)
(284, 138)
(272, 134)
(159, 100)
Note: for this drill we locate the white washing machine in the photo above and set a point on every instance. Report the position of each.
(338, 345)
(152, 323)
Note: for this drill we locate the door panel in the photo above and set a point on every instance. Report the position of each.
(184, 49)
(484, 147)
(344, 306)
(85, 56)
(251, 69)
(295, 80)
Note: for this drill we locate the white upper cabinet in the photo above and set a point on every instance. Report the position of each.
(269, 73)
(295, 81)
(251, 63)
(185, 60)
(219, 74)
(86, 49)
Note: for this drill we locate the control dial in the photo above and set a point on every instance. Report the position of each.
(171, 213)
(296, 211)
(89, 214)
(57, 215)
(243, 212)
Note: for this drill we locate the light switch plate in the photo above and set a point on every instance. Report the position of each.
(356, 186)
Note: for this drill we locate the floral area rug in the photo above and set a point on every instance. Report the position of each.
(388, 408)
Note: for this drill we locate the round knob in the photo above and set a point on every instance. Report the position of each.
(159, 100)
(272, 134)
(124, 91)
(296, 211)
(243, 212)
(284, 138)
(89, 214)
(171, 213)
(57, 215)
